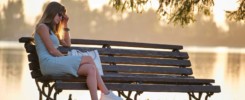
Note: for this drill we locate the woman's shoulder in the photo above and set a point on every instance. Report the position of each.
(42, 27)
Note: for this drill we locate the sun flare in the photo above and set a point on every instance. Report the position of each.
(97, 4)
(33, 8)
(219, 12)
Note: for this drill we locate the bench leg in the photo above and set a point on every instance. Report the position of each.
(137, 93)
(208, 95)
(40, 96)
(46, 89)
(192, 95)
(50, 89)
(70, 98)
(57, 92)
(121, 93)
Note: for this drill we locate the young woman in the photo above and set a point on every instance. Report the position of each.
(51, 31)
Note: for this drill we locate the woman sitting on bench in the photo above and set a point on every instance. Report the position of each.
(51, 31)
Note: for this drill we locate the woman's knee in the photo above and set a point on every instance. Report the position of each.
(86, 59)
(84, 69)
(91, 70)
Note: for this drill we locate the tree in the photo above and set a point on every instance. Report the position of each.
(239, 14)
(177, 11)
(12, 22)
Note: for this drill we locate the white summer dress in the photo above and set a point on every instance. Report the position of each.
(57, 66)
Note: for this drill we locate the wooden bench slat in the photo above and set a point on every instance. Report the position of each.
(36, 73)
(146, 75)
(157, 80)
(137, 53)
(125, 44)
(163, 88)
(148, 69)
(30, 48)
(139, 61)
(108, 77)
(131, 79)
(134, 69)
(114, 43)
(146, 61)
(32, 57)
(34, 66)
(117, 52)
(143, 87)
(25, 39)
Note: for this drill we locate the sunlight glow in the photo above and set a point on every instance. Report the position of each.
(220, 66)
(10, 44)
(219, 16)
(32, 8)
(242, 77)
(116, 16)
(152, 4)
(155, 4)
(215, 50)
(219, 12)
(97, 4)
(164, 19)
(3, 3)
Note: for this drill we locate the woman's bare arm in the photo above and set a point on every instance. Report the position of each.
(66, 40)
(43, 32)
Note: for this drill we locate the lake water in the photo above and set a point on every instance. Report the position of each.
(226, 66)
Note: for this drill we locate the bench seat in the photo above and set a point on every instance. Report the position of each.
(133, 78)
(142, 87)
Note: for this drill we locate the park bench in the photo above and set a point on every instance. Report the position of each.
(130, 68)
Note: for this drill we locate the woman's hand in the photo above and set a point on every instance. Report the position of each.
(64, 20)
(65, 40)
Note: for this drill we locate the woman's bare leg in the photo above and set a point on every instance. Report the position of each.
(101, 83)
(89, 70)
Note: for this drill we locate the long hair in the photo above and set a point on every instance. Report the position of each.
(48, 17)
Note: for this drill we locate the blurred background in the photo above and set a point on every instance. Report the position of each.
(215, 44)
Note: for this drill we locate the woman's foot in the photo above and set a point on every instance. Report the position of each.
(110, 96)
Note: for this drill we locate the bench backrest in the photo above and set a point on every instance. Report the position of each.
(125, 58)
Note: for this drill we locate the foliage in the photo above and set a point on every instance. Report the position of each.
(239, 14)
(176, 11)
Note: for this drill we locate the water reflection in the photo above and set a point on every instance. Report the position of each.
(10, 70)
(201, 62)
(226, 68)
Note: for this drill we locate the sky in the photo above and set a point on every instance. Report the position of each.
(36, 8)
(207, 31)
